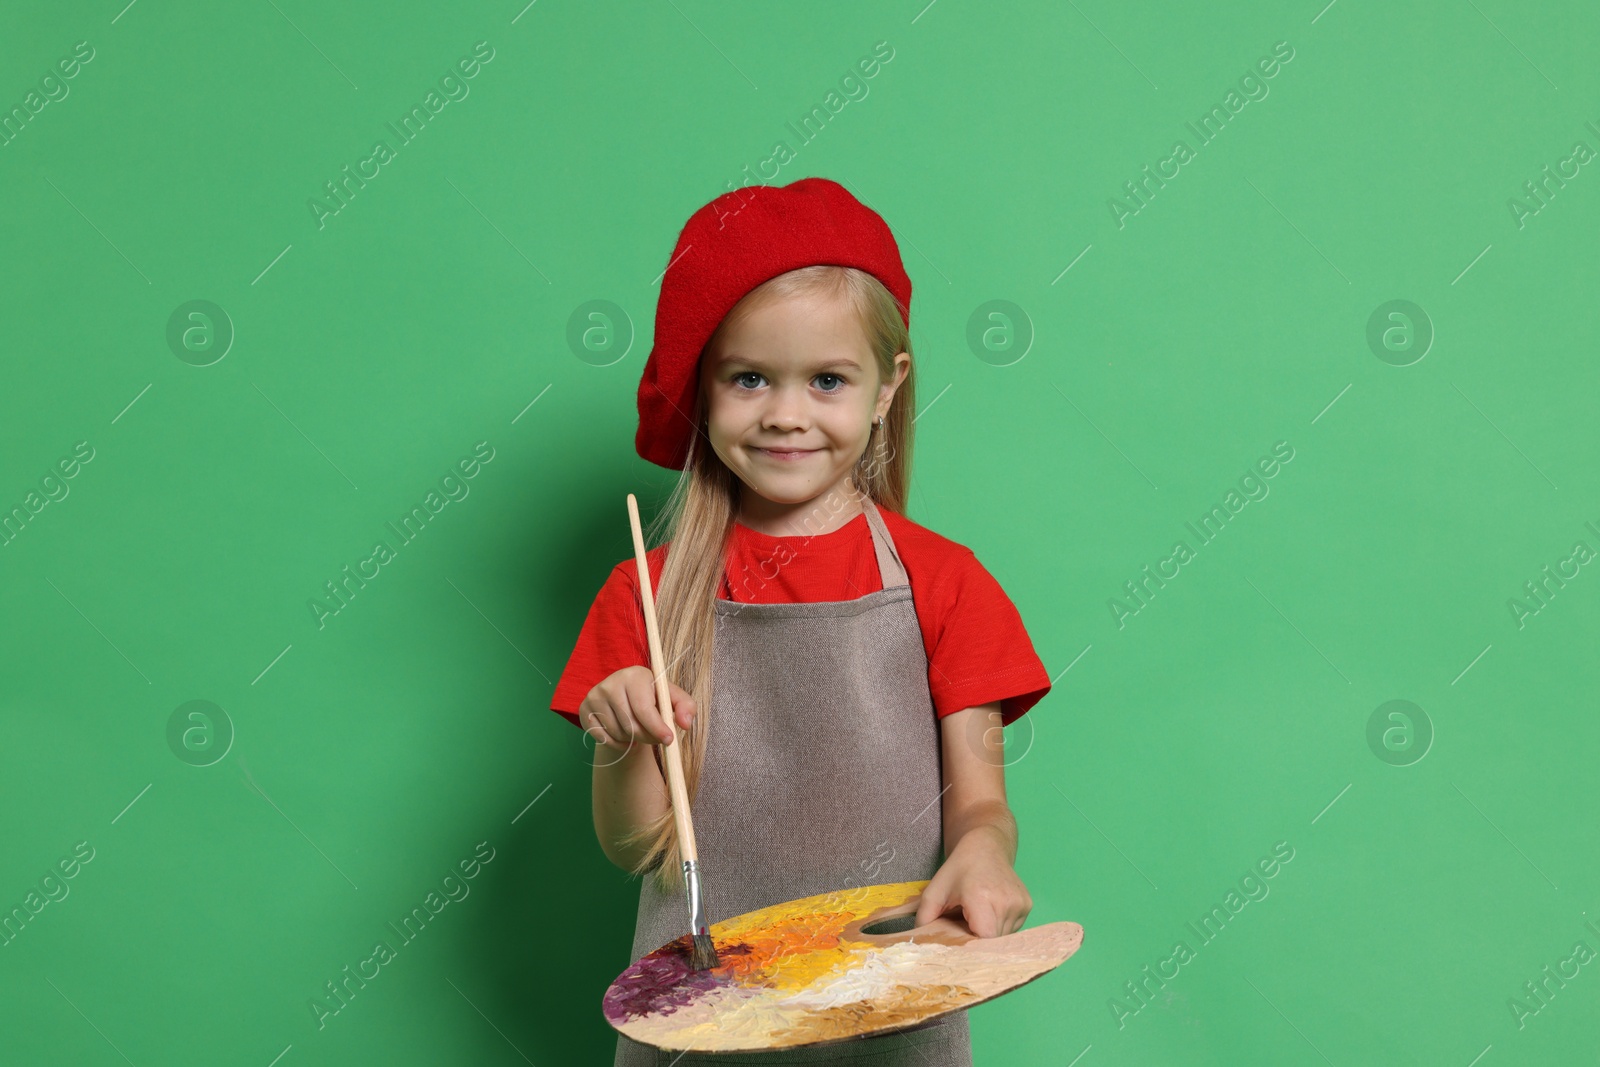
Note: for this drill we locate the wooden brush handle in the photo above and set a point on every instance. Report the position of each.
(673, 756)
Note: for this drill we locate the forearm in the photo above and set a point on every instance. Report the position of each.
(629, 793)
(988, 821)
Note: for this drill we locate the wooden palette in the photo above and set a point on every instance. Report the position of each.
(805, 973)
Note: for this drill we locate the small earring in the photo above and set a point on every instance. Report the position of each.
(880, 422)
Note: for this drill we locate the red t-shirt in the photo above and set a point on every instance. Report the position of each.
(978, 650)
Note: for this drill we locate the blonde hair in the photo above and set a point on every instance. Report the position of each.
(699, 516)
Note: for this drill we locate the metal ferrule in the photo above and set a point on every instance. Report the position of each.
(697, 911)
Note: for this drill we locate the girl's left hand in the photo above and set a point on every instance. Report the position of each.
(977, 879)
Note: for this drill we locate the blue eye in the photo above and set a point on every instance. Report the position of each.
(739, 381)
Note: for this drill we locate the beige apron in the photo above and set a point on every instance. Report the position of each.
(822, 773)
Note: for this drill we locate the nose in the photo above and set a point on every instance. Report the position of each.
(786, 409)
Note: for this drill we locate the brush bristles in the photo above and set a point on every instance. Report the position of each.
(703, 956)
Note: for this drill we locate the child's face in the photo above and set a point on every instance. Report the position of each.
(792, 390)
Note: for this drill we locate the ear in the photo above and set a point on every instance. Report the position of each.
(886, 391)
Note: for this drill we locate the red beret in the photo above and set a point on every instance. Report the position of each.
(727, 248)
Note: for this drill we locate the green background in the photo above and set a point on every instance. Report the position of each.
(367, 757)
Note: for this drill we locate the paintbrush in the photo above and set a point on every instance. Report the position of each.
(703, 956)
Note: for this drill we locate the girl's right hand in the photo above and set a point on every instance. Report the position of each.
(621, 710)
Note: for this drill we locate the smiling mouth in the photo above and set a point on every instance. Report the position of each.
(785, 455)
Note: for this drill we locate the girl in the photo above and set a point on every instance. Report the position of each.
(840, 671)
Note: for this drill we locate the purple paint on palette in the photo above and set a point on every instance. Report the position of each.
(663, 982)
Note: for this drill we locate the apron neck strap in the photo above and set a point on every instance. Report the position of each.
(890, 570)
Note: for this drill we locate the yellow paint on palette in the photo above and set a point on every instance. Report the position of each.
(805, 972)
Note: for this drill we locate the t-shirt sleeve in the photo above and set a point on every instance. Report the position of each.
(982, 652)
(612, 637)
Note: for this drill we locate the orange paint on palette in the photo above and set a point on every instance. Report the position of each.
(805, 972)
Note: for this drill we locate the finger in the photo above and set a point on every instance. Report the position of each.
(640, 704)
(599, 728)
(683, 707)
(981, 914)
(652, 712)
(620, 726)
(931, 908)
(981, 918)
(623, 725)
